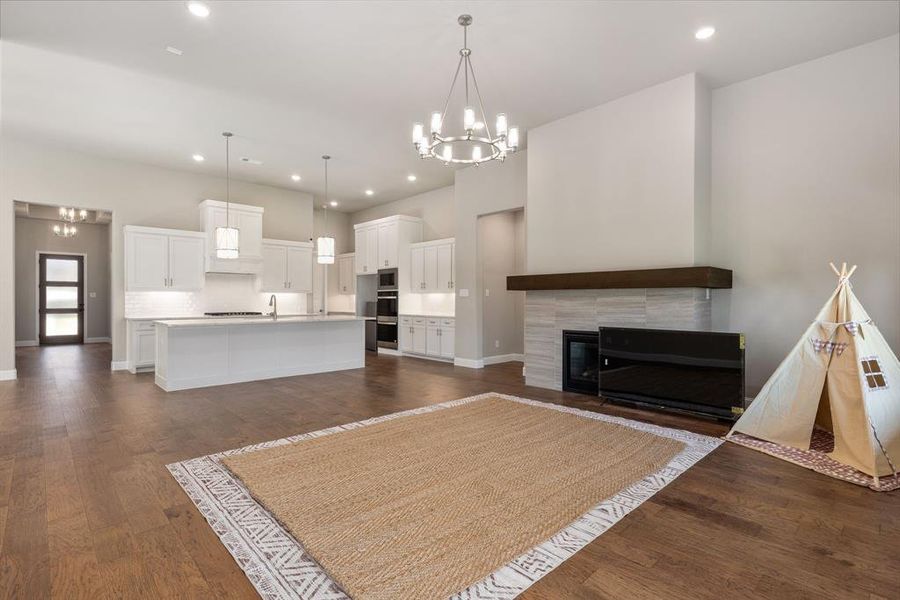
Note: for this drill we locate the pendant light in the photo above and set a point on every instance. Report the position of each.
(325, 244)
(227, 238)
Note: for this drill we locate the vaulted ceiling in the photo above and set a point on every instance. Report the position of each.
(294, 80)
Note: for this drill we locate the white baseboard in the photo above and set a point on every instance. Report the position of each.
(389, 351)
(97, 340)
(21, 343)
(118, 365)
(502, 358)
(469, 363)
(8, 375)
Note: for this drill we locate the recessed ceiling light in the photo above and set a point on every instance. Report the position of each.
(704, 33)
(174, 50)
(295, 177)
(333, 202)
(410, 177)
(370, 192)
(198, 157)
(198, 9)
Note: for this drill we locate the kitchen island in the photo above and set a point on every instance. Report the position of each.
(192, 353)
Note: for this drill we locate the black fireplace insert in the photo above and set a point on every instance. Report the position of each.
(695, 371)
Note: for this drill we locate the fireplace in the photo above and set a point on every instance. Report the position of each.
(693, 371)
(581, 361)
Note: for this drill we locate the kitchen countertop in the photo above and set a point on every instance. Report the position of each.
(210, 318)
(427, 315)
(220, 321)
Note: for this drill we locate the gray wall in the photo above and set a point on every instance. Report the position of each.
(341, 230)
(36, 235)
(136, 194)
(501, 253)
(806, 170)
(436, 209)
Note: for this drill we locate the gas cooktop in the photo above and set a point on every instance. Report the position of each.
(233, 314)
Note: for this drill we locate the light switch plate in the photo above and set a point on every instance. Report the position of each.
(92, 294)
(464, 293)
(487, 292)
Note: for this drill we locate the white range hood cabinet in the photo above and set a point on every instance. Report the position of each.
(248, 219)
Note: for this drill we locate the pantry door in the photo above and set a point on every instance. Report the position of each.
(61, 297)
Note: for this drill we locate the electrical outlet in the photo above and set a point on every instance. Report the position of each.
(463, 293)
(496, 343)
(92, 294)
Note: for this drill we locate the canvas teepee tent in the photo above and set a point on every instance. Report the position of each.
(841, 376)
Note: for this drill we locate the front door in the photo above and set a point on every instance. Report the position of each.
(61, 307)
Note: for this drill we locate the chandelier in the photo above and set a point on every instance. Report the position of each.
(70, 216)
(325, 243)
(65, 231)
(476, 144)
(228, 237)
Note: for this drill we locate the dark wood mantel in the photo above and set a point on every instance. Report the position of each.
(680, 277)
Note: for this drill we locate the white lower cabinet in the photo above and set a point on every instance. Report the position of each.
(427, 336)
(140, 351)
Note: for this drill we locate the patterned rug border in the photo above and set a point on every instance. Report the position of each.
(279, 568)
(816, 461)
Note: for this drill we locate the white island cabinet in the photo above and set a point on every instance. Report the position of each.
(192, 353)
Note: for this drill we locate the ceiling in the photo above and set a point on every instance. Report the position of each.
(295, 80)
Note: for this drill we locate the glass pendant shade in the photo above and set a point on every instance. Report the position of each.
(513, 138)
(501, 124)
(325, 250)
(227, 242)
(418, 133)
(469, 118)
(436, 122)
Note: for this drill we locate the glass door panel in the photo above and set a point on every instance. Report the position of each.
(61, 292)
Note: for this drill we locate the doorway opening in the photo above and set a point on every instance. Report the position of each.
(501, 253)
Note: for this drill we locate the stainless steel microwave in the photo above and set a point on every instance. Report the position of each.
(387, 280)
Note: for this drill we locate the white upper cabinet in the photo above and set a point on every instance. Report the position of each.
(274, 274)
(248, 220)
(299, 268)
(346, 273)
(387, 245)
(186, 262)
(432, 266)
(417, 269)
(445, 256)
(286, 266)
(384, 243)
(163, 259)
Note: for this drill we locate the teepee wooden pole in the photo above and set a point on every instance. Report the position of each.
(853, 268)
(843, 269)
(834, 268)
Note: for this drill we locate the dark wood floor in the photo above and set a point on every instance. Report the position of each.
(88, 510)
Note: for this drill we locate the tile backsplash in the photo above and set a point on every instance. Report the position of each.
(221, 293)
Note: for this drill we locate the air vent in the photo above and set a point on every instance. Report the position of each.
(251, 161)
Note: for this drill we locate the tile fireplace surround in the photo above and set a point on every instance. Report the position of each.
(548, 312)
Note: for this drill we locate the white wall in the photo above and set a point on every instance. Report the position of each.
(490, 188)
(338, 226)
(137, 195)
(613, 187)
(806, 170)
(436, 208)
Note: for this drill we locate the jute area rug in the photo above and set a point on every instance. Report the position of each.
(477, 497)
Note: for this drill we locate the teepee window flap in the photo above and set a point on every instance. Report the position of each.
(872, 370)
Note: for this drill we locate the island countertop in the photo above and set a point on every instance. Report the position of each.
(264, 320)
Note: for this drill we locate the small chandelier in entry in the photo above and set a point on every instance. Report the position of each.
(325, 244)
(65, 231)
(70, 216)
(228, 237)
(476, 144)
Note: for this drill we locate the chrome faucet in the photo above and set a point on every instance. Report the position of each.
(273, 302)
